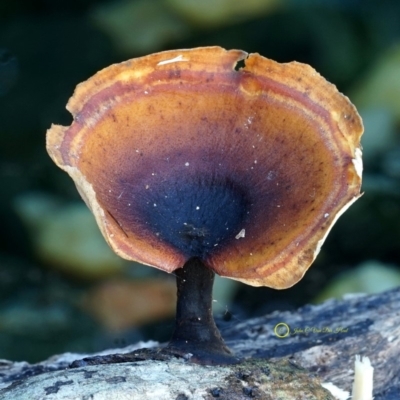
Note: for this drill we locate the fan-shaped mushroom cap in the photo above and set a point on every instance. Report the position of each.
(179, 155)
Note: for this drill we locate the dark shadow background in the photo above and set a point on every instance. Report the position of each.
(48, 46)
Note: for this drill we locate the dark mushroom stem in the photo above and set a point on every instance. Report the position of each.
(196, 336)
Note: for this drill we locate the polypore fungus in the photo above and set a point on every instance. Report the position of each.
(195, 166)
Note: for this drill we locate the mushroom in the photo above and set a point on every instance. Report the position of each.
(207, 161)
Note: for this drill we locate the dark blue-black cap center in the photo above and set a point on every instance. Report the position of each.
(195, 215)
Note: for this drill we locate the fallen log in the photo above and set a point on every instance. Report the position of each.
(286, 355)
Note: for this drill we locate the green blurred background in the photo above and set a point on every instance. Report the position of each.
(61, 288)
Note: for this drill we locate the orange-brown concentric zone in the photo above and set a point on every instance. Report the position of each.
(233, 169)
